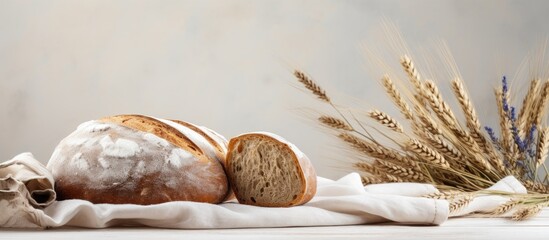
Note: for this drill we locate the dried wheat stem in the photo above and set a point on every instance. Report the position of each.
(535, 187)
(466, 104)
(505, 125)
(432, 89)
(449, 194)
(377, 151)
(541, 105)
(335, 123)
(386, 120)
(367, 167)
(427, 154)
(378, 173)
(528, 103)
(543, 147)
(505, 208)
(427, 122)
(444, 147)
(459, 203)
(528, 211)
(412, 72)
(393, 92)
(403, 172)
(473, 123)
(311, 85)
(371, 180)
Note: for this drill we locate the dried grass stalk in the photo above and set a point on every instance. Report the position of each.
(505, 208)
(527, 211)
(395, 95)
(335, 123)
(527, 103)
(311, 85)
(448, 194)
(386, 120)
(543, 147)
(427, 154)
(460, 202)
(402, 172)
(412, 72)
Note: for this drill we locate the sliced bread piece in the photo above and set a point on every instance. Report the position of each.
(266, 170)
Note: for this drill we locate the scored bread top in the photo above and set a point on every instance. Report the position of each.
(216, 144)
(158, 128)
(137, 159)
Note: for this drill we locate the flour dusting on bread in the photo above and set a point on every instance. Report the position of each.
(104, 156)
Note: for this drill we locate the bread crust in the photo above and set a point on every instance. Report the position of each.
(173, 169)
(307, 172)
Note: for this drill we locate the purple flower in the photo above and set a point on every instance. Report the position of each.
(492, 135)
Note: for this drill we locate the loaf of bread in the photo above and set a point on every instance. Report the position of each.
(140, 160)
(266, 170)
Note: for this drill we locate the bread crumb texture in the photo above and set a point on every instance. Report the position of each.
(264, 172)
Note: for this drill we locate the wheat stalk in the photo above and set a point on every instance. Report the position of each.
(448, 194)
(428, 154)
(427, 123)
(371, 180)
(335, 123)
(528, 103)
(527, 211)
(444, 148)
(392, 91)
(541, 105)
(473, 124)
(386, 120)
(505, 208)
(412, 72)
(402, 172)
(311, 85)
(535, 186)
(506, 134)
(543, 147)
(439, 106)
(459, 203)
(377, 172)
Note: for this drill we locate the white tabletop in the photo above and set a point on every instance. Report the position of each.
(455, 228)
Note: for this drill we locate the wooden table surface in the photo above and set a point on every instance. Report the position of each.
(455, 228)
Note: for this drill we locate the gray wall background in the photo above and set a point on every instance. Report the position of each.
(227, 64)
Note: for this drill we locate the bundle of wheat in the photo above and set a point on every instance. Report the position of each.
(456, 156)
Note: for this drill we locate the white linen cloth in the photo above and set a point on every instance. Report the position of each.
(341, 202)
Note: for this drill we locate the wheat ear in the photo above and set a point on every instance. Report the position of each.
(506, 207)
(370, 180)
(427, 154)
(505, 126)
(459, 203)
(528, 103)
(527, 211)
(543, 147)
(311, 85)
(393, 92)
(378, 173)
(439, 106)
(377, 151)
(403, 172)
(386, 120)
(449, 194)
(473, 123)
(535, 186)
(541, 106)
(335, 123)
